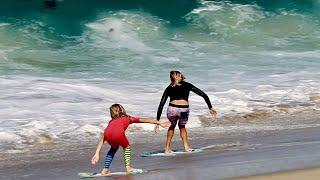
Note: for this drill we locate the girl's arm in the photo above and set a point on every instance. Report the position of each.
(95, 157)
(100, 144)
(149, 120)
(162, 123)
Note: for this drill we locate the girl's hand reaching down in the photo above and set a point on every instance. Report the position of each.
(95, 159)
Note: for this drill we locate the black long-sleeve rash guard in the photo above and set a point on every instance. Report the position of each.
(179, 92)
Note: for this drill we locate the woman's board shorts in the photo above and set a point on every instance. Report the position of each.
(178, 114)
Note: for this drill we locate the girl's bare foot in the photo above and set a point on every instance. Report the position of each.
(129, 168)
(105, 171)
(133, 170)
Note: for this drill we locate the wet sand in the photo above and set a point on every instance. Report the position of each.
(306, 174)
(233, 155)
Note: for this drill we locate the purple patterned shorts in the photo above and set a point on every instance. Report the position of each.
(176, 113)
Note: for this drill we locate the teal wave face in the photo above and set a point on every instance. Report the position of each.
(73, 13)
(70, 15)
(74, 39)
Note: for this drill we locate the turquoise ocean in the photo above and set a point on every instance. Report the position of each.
(62, 67)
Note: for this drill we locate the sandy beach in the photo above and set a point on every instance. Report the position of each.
(307, 174)
(229, 155)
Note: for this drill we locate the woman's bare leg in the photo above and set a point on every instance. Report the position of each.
(184, 137)
(170, 134)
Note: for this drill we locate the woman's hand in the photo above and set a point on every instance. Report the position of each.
(156, 128)
(213, 112)
(95, 159)
(164, 123)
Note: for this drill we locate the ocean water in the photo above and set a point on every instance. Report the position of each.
(61, 68)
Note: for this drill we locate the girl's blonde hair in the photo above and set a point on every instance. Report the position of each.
(116, 111)
(173, 74)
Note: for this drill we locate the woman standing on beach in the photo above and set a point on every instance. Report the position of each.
(178, 109)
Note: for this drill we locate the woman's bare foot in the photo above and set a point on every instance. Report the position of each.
(105, 171)
(188, 149)
(167, 151)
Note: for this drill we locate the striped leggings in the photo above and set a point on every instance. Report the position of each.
(112, 152)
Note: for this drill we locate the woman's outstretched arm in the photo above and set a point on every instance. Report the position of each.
(202, 94)
(162, 102)
(196, 90)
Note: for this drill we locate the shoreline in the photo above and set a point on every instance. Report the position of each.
(258, 120)
(255, 153)
(232, 154)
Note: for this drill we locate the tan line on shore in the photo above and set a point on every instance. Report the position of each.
(305, 174)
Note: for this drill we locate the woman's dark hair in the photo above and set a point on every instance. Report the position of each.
(173, 75)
